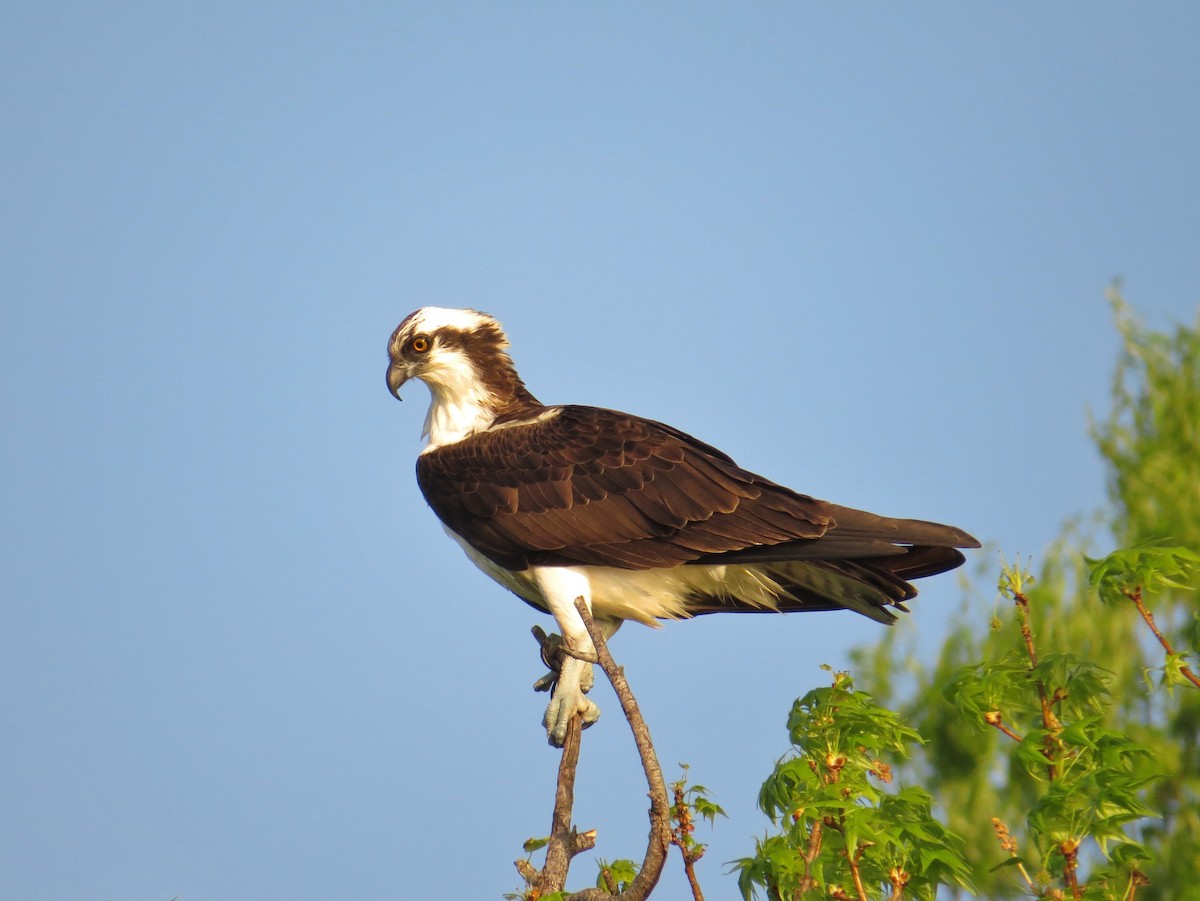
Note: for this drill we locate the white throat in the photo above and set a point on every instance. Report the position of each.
(460, 404)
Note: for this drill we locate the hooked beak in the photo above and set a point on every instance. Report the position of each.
(397, 375)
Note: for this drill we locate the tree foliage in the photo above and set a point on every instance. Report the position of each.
(1051, 747)
(1072, 724)
(840, 832)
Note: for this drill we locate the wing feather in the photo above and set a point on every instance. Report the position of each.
(584, 485)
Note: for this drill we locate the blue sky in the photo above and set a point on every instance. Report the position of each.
(862, 248)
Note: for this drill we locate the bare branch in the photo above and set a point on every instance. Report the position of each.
(689, 868)
(564, 842)
(660, 809)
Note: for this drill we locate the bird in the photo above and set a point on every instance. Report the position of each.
(639, 519)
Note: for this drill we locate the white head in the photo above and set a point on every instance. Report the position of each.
(461, 355)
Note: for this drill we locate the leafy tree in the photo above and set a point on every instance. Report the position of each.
(840, 832)
(1061, 738)
(1111, 701)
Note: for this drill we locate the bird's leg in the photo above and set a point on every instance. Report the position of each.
(569, 680)
(560, 586)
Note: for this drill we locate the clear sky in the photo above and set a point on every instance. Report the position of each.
(861, 247)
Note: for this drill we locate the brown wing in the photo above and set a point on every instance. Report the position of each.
(584, 485)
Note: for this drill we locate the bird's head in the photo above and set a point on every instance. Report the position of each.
(462, 356)
(447, 349)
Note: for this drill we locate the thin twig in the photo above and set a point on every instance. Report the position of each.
(680, 837)
(993, 718)
(1009, 844)
(814, 848)
(1136, 879)
(1136, 596)
(1070, 852)
(690, 869)
(858, 883)
(1049, 720)
(839, 825)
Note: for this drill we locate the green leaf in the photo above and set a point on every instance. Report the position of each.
(622, 872)
(1146, 569)
(707, 809)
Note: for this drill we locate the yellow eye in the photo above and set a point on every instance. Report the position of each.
(420, 343)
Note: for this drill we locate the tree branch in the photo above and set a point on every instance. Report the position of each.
(1070, 853)
(810, 854)
(1009, 844)
(1049, 720)
(564, 842)
(660, 809)
(681, 838)
(1136, 597)
(857, 876)
(995, 719)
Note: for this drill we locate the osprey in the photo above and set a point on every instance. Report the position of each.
(641, 520)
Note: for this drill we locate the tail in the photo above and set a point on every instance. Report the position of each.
(863, 563)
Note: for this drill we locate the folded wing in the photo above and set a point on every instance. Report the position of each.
(584, 485)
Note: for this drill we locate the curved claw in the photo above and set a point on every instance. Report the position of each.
(574, 680)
